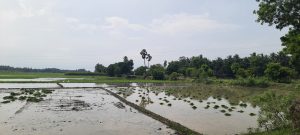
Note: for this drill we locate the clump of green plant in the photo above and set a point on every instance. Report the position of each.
(252, 114)
(30, 95)
(223, 111)
(240, 111)
(274, 112)
(227, 114)
(243, 105)
(34, 99)
(206, 107)
(194, 107)
(251, 82)
(216, 107)
(224, 106)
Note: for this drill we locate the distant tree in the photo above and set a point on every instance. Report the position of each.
(144, 55)
(278, 73)
(157, 72)
(165, 64)
(238, 70)
(205, 71)
(149, 58)
(99, 68)
(192, 72)
(173, 66)
(140, 70)
(120, 68)
(174, 76)
(111, 70)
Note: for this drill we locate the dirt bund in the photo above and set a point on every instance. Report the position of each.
(182, 130)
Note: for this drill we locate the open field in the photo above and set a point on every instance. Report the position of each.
(200, 107)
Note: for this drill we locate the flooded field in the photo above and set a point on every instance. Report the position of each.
(206, 109)
(76, 112)
(35, 79)
(204, 112)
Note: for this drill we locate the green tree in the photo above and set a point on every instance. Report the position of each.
(157, 72)
(278, 73)
(99, 68)
(291, 41)
(149, 58)
(174, 76)
(192, 72)
(283, 14)
(274, 110)
(140, 70)
(144, 55)
(205, 71)
(165, 64)
(238, 70)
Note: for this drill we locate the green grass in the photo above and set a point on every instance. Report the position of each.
(21, 75)
(286, 131)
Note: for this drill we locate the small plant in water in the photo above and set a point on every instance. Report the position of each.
(206, 107)
(216, 107)
(227, 114)
(243, 105)
(194, 107)
(240, 111)
(223, 111)
(161, 103)
(169, 104)
(252, 114)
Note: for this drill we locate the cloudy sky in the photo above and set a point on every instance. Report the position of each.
(72, 34)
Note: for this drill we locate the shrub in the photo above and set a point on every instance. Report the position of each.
(157, 72)
(274, 112)
(174, 76)
(278, 73)
(251, 82)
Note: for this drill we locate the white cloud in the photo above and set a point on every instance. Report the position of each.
(187, 23)
(119, 23)
(168, 25)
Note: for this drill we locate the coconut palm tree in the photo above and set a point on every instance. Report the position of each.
(144, 55)
(149, 58)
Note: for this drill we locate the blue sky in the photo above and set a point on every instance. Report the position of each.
(72, 34)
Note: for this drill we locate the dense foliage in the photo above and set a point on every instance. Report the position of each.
(120, 68)
(283, 14)
(233, 66)
(274, 112)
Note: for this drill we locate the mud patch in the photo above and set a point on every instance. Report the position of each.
(70, 105)
(119, 105)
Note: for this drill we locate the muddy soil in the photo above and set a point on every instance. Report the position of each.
(76, 112)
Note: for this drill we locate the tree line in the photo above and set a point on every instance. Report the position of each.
(276, 66)
(32, 70)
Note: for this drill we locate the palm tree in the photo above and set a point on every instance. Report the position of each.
(144, 55)
(149, 58)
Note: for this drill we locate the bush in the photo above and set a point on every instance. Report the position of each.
(278, 73)
(274, 111)
(157, 72)
(174, 76)
(140, 70)
(251, 82)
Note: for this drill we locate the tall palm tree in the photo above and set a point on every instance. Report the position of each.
(149, 58)
(144, 55)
